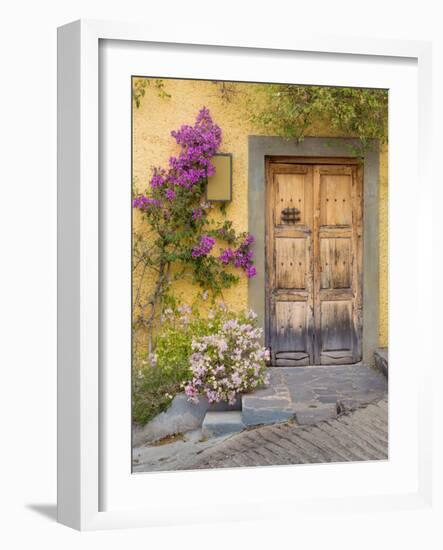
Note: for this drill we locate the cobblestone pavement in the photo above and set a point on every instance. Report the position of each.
(357, 436)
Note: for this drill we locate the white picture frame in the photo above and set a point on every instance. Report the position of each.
(82, 399)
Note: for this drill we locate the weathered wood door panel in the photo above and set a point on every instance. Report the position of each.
(314, 256)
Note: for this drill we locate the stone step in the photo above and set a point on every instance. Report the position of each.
(312, 394)
(217, 424)
(224, 406)
(266, 407)
(381, 360)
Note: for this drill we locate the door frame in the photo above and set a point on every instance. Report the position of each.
(313, 150)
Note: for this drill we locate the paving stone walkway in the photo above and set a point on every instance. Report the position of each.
(306, 415)
(312, 394)
(355, 436)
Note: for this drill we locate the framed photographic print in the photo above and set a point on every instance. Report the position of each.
(234, 287)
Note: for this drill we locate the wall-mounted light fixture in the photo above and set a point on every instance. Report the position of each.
(219, 188)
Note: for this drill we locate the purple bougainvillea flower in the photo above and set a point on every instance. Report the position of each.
(176, 195)
(227, 256)
(159, 177)
(207, 242)
(249, 240)
(198, 144)
(144, 203)
(197, 214)
(242, 257)
(170, 194)
(204, 248)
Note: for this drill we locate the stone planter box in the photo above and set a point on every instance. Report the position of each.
(182, 416)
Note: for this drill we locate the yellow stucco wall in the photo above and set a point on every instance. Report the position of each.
(153, 145)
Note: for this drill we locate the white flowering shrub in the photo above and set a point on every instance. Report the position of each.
(229, 362)
(204, 349)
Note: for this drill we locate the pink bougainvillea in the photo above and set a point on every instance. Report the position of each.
(184, 233)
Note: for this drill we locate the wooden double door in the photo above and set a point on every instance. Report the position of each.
(314, 247)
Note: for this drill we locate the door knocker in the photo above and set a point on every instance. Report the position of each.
(290, 215)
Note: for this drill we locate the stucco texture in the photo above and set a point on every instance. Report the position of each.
(153, 145)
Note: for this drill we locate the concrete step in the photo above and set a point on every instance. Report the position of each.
(217, 424)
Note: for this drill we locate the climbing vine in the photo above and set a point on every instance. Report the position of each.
(292, 111)
(295, 111)
(179, 236)
(140, 86)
